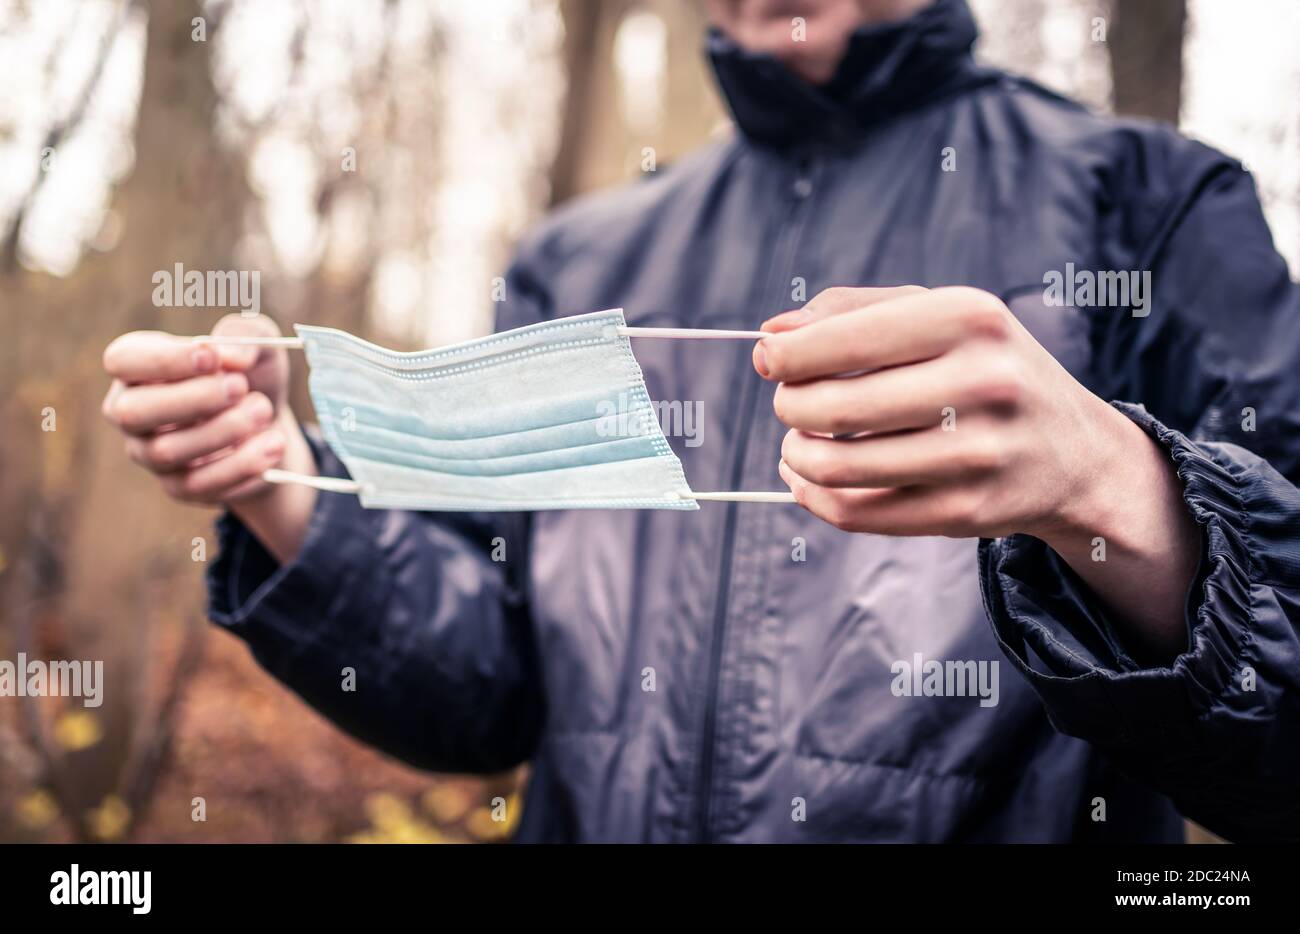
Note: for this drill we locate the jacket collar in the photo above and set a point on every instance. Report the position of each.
(888, 68)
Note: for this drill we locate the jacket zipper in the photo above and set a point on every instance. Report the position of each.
(787, 241)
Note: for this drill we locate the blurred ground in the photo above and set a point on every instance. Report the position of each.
(271, 770)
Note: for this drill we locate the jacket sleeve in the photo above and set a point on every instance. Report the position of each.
(1216, 368)
(408, 629)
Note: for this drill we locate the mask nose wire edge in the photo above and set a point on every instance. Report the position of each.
(623, 330)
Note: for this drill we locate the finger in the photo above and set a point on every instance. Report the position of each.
(952, 511)
(109, 404)
(896, 399)
(905, 329)
(230, 475)
(154, 356)
(787, 320)
(825, 304)
(139, 410)
(251, 486)
(893, 511)
(242, 357)
(836, 301)
(909, 458)
(172, 450)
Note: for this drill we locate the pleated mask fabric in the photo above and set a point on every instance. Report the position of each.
(549, 416)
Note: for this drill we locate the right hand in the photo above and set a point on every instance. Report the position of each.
(205, 419)
(208, 419)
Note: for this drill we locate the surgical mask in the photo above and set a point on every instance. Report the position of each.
(519, 420)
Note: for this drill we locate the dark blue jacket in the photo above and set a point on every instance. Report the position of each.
(730, 674)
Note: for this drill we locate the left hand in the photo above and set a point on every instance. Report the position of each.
(952, 421)
(934, 412)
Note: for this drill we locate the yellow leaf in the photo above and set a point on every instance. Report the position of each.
(447, 802)
(110, 820)
(387, 811)
(77, 729)
(38, 810)
(483, 827)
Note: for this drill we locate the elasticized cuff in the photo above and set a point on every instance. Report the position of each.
(1061, 637)
(282, 606)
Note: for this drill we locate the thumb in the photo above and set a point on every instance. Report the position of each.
(243, 357)
(267, 368)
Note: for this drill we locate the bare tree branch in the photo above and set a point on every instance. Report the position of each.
(59, 130)
(158, 728)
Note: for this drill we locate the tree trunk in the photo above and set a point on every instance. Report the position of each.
(69, 495)
(1145, 39)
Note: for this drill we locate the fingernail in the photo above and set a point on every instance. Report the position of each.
(273, 447)
(203, 360)
(760, 359)
(262, 409)
(233, 386)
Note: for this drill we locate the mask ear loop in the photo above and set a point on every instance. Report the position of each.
(622, 330)
(338, 485)
(328, 484)
(342, 485)
(236, 340)
(740, 496)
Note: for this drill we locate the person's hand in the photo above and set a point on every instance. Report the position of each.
(208, 419)
(957, 421)
(934, 412)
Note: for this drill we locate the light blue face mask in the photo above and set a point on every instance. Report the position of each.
(549, 416)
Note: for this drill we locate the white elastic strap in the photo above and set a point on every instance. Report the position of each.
(295, 343)
(233, 340)
(742, 497)
(339, 485)
(686, 334)
(329, 484)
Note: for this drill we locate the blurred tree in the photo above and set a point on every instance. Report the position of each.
(1146, 57)
(587, 126)
(100, 574)
(94, 562)
(597, 145)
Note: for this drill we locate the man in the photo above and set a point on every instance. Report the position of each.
(761, 672)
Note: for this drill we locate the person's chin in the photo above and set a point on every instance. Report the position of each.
(812, 69)
(816, 66)
(813, 61)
